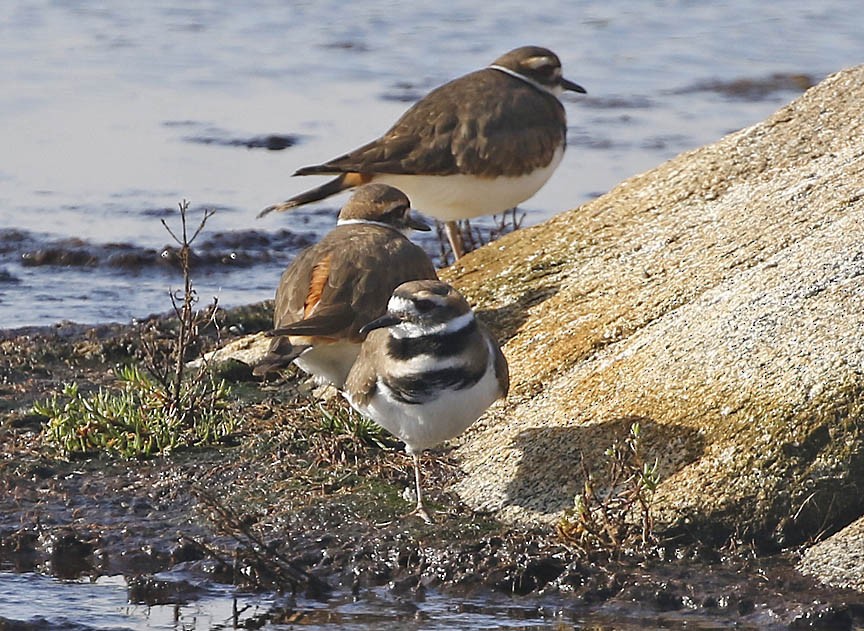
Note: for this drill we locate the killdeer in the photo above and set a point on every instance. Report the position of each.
(478, 145)
(343, 282)
(427, 370)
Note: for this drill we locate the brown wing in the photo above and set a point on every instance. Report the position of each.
(280, 353)
(361, 382)
(484, 123)
(317, 283)
(316, 318)
(349, 276)
(326, 323)
(293, 286)
(374, 262)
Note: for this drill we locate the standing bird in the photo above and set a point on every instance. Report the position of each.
(427, 370)
(343, 282)
(478, 145)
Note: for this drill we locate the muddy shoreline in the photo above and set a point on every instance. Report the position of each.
(279, 508)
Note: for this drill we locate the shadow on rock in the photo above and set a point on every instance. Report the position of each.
(505, 321)
(551, 474)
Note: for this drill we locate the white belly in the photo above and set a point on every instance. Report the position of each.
(453, 197)
(329, 363)
(425, 425)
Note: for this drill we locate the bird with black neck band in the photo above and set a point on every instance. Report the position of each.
(427, 370)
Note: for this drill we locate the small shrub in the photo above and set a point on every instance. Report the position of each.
(619, 519)
(158, 408)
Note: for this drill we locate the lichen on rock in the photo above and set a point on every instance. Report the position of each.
(718, 300)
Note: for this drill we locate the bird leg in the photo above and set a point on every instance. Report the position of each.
(454, 236)
(420, 511)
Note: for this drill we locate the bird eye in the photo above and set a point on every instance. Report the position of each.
(398, 213)
(547, 70)
(424, 305)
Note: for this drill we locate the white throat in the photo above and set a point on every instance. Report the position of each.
(372, 222)
(410, 329)
(557, 91)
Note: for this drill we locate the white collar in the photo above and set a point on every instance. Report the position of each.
(370, 222)
(531, 82)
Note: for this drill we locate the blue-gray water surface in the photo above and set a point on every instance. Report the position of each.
(53, 605)
(113, 113)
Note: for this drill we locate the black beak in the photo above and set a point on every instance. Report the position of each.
(415, 223)
(573, 87)
(379, 323)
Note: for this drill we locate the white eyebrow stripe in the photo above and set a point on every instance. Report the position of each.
(536, 62)
(409, 329)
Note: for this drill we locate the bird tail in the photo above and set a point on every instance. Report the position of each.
(331, 187)
(279, 356)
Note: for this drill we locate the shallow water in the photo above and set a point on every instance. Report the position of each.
(111, 114)
(104, 604)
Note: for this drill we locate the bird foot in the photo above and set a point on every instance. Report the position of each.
(422, 513)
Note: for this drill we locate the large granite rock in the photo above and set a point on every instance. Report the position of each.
(839, 560)
(719, 300)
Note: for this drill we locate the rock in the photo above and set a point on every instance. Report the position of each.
(248, 350)
(716, 299)
(839, 560)
(147, 589)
